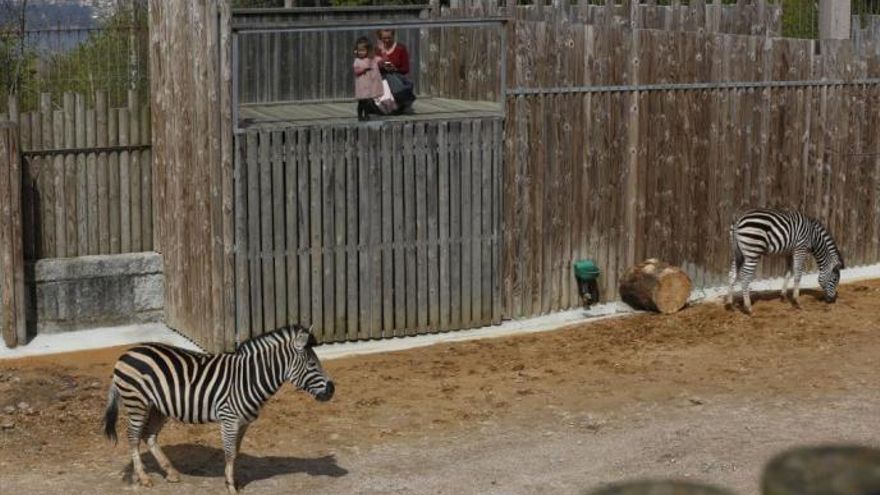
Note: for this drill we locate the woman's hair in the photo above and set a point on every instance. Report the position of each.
(363, 41)
(380, 31)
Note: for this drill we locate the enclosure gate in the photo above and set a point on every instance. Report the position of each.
(368, 231)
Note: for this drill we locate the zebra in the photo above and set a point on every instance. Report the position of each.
(771, 231)
(158, 381)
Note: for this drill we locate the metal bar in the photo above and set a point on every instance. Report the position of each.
(689, 86)
(252, 125)
(358, 25)
(75, 151)
(329, 10)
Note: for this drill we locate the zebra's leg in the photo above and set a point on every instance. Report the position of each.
(734, 270)
(747, 273)
(788, 271)
(137, 418)
(231, 430)
(151, 433)
(241, 431)
(799, 258)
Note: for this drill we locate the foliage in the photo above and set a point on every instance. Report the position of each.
(800, 19)
(112, 57)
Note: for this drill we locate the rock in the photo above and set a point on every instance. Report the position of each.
(93, 386)
(826, 470)
(7, 425)
(9, 409)
(23, 406)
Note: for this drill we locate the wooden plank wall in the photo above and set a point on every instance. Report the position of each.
(311, 66)
(81, 203)
(369, 231)
(12, 298)
(462, 63)
(623, 175)
(190, 71)
(750, 17)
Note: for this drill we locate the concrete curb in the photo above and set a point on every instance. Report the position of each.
(157, 332)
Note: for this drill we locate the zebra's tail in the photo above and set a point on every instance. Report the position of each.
(111, 413)
(734, 248)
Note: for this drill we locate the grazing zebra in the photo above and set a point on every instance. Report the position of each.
(765, 231)
(157, 381)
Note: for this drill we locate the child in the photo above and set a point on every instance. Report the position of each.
(367, 80)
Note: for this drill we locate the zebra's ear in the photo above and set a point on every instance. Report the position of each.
(301, 338)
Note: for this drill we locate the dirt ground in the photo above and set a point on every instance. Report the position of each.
(707, 394)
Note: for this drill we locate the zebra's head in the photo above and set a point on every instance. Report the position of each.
(829, 277)
(306, 372)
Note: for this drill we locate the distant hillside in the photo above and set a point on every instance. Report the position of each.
(43, 14)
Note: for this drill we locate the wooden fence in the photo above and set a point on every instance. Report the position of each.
(628, 172)
(623, 144)
(12, 298)
(748, 17)
(87, 177)
(369, 231)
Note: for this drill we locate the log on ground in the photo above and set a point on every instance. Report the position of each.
(655, 285)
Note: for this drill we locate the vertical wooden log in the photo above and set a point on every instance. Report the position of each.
(70, 173)
(103, 198)
(124, 184)
(78, 178)
(60, 190)
(135, 172)
(225, 135)
(146, 171)
(113, 180)
(92, 182)
(47, 186)
(12, 302)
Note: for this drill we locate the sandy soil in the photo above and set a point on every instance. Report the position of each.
(707, 394)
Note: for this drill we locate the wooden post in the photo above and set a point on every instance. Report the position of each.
(834, 19)
(12, 303)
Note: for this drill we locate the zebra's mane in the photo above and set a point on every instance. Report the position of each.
(268, 339)
(830, 242)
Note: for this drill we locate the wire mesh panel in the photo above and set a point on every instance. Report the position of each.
(52, 49)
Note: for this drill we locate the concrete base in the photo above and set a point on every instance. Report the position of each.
(110, 337)
(96, 291)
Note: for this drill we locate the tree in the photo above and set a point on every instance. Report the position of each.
(13, 23)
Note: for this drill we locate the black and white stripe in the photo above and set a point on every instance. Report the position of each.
(157, 381)
(765, 231)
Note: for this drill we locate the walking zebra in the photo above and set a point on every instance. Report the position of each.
(157, 381)
(766, 231)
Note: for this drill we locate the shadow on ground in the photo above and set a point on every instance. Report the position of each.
(204, 461)
(774, 295)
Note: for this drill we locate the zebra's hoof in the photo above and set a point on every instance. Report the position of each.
(145, 481)
(172, 477)
(231, 488)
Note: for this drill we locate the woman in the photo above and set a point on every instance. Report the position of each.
(395, 69)
(394, 54)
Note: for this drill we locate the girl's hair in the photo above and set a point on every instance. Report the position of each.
(363, 41)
